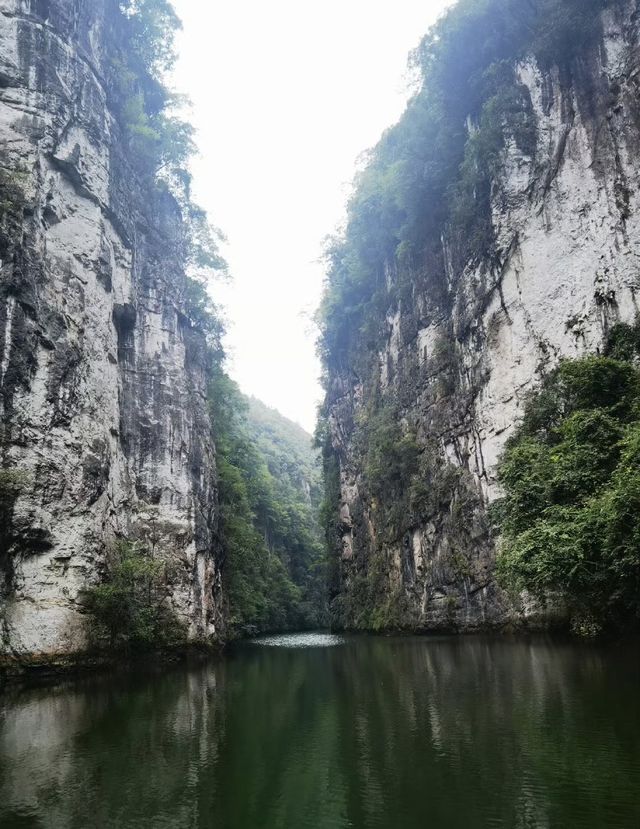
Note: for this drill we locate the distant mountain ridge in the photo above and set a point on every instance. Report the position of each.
(300, 465)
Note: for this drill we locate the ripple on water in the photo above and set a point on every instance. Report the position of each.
(300, 640)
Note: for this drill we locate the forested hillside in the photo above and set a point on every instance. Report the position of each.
(270, 492)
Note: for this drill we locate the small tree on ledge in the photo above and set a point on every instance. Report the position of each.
(129, 607)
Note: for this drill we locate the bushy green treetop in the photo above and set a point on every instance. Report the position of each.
(571, 481)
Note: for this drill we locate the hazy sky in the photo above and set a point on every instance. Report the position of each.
(286, 95)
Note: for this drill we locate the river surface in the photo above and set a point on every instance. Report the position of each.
(329, 732)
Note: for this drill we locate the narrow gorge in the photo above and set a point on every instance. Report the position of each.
(491, 236)
(111, 348)
(302, 531)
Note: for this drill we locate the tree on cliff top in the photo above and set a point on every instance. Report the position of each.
(430, 175)
(160, 140)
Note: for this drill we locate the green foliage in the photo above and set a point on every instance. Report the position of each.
(404, 483)
(391, 458)
(429, 181)
(203, 253)
(129, 608)
(270, 493)
(143, 51)
(571, 481)
(12, 481)
(623, 342)
(203, 315)
(160, 142)
(328, 516)
(372, 602)
(287, 449)
(12, 201)
(590, 383)
(152, 27)
(391, 462)
(506, 113)
(433, 488)
(294, 466)
(401, 476)
(430, 175)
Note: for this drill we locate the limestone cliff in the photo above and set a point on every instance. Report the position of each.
(103, 378)
(462, 340)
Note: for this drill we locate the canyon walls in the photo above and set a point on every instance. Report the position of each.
(413, 434)
(105, 430)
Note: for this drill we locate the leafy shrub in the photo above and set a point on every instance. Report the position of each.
(623, 342)
(130, 607)
(571, 481)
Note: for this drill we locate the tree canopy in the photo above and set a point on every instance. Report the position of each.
(270, 494)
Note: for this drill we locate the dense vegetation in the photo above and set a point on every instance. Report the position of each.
(274, 567)
(431, 173)
(391, 468)
(159, 141)
(294, 466)
(571, 478)
(129, 608)
(269, 494)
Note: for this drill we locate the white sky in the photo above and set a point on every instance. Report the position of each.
(286, 95)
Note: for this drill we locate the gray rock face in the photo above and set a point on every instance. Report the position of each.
(103, 380)
(567, 225)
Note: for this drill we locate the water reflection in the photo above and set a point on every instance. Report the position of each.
(375, 733)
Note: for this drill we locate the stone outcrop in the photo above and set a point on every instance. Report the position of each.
(103, 379)
(461, 357)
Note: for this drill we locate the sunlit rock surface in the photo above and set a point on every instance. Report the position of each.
(103, 382)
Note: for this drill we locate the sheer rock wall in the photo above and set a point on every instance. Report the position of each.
(103, 382)
(460, 357)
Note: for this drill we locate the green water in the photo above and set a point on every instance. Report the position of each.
(317, 731)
